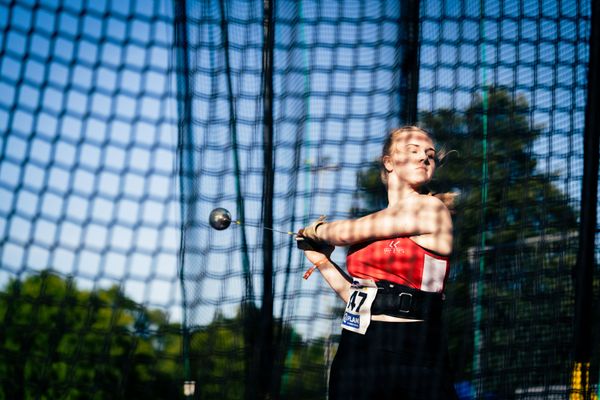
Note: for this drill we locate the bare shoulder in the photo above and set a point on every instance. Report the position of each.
(436, 225)
(432, 201)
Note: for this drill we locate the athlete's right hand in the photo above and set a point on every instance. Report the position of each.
(316, 254)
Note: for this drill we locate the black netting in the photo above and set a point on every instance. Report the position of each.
(90, 302)
(126, 123)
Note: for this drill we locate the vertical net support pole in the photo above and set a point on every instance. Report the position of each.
(409, 66)
(185, 166)
(584, 268)
(264, 354)
(478, 285)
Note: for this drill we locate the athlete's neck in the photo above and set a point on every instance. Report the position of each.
(399, 194)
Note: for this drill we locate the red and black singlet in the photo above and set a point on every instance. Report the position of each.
(399, 260)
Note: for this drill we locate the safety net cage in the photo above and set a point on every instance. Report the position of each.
(132, 129)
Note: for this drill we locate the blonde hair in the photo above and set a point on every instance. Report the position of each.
(446, 198)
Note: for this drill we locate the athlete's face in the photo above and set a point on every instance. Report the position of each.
(412, 158)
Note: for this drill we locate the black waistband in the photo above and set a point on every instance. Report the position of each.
(402, 301)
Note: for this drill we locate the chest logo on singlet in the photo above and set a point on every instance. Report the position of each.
(393, 248)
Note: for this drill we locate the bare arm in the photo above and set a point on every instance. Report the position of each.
(337, 279)
(422, 215)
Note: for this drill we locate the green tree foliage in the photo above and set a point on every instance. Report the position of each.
(57, 341)
(60, 342)
(525, 290)
(219, 352)
(521, 203)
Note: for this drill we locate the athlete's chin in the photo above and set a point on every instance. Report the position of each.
(422, 174)
(420, 181)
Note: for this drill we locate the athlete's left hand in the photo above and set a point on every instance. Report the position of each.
(310, 232)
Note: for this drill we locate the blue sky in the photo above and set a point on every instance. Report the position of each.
(86, 174)
(87, 160)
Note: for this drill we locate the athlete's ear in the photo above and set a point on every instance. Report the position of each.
(388, 164)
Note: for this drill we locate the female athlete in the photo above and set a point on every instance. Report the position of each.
(392, 346)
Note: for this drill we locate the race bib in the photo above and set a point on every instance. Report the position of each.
(357, 315)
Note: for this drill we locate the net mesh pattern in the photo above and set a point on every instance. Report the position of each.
(89, 241)
(122, 136)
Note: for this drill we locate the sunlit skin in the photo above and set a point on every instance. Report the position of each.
(423, 218)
